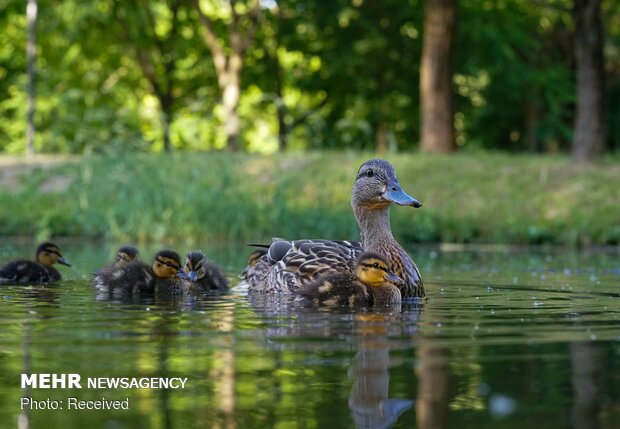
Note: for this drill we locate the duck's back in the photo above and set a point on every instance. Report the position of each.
(135, 277)
(342, 289)
(27, 272)
(304, 262)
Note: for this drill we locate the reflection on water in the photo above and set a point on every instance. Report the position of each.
(505, 340)
(588, 366)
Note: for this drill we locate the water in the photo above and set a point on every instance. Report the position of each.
(507, 339)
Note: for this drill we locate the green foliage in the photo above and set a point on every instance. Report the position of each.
(339, 73)
(200, 197)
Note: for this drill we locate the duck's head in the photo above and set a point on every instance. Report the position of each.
(253, 259)
(193, 269)
(125, 255)
(373, 270)
(49, 254)
(166, 264)
(376, 186)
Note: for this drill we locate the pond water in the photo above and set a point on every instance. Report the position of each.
(507, 338)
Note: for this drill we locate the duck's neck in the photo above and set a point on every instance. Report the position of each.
(374, 226)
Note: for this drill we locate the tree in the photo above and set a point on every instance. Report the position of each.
(589, 131)
(156, 52)
(229, 65)
(437, 112)
(31, 49)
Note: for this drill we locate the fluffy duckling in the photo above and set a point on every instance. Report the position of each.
(202, 275)
(24, 272)
(167, 269)
(124, 255)
(136, 277)
(372, 284)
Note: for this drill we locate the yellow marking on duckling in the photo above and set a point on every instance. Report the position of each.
(331, 301)
(325, 287)
(372, 271)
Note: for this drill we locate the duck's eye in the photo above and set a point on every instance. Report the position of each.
(375, 266)
(370, 173)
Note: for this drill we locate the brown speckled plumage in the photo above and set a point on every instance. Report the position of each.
(371, 284)
(376, 187)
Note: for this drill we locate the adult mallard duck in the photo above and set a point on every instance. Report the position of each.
(288, 265)
(24, 272)
(138, 278)
(372, 284)
(202, 275)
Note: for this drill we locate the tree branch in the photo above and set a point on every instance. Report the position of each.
(219, 57)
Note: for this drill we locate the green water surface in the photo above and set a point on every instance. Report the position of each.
(507, 339)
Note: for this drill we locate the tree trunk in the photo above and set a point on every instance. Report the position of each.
(589, 132)
(230, 98)
(229, 66)
(382, 138)
(165, 123)
(530, 135)
(31, 50)
(437, 112)
(282, 128)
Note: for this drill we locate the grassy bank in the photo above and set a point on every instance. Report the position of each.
(193, 198)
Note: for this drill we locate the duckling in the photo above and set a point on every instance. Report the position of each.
(24, 272)
(124, 255)
(167, 269)
(253, 261)
(372, 284)
(375, 189)
(202, 275)
(136, 277)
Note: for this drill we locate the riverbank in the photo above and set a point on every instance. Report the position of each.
(196, 197)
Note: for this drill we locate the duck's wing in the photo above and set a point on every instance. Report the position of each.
(307, 260)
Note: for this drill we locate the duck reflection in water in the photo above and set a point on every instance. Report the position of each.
(374, 333)
(369, 398)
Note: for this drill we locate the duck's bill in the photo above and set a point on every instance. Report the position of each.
(395, 194)
(63, 261)
(192, 276)
(394, 278)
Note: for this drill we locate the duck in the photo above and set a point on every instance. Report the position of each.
(253, 260)
(372, 284)
(202, 275)
(41, 271)
(124, 255)
(136, 277)
(288, 265)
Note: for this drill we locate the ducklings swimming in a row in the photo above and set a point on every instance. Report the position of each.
(129, 275)
(373, 284)
(24, 272)
(165, 276)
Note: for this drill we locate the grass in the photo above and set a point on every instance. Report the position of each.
(195, 197)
